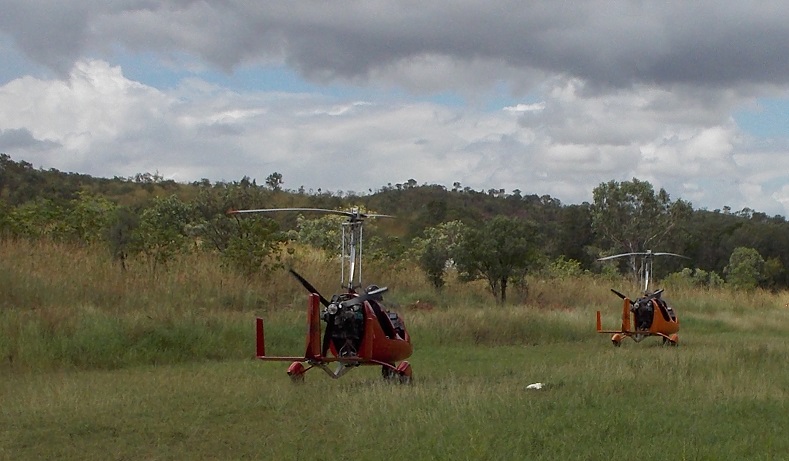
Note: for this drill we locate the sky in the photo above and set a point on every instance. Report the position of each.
(545, 97)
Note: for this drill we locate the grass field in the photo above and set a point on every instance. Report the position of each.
(163, 381)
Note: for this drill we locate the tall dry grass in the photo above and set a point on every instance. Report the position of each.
(65, 306)
(96, 363)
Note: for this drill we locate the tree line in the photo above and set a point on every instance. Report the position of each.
(489, 235)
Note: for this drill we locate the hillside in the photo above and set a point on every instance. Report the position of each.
(707, 237)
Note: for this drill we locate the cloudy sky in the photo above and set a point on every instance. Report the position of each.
(548, 97)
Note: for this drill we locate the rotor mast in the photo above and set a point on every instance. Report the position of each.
(352, 238)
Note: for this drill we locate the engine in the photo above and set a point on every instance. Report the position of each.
(344, 325)
(643, 311)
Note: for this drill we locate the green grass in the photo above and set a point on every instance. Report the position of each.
(95, 364)
(702, 401)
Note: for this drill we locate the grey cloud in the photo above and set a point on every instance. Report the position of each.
(21, 139)
(608, 44)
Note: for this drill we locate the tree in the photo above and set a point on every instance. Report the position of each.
(121, 235)
(253, 249)
(773, 270)
(324, 232)
(433, 261)
(435, 251)
(633, 218)
(162, 231)
(274, 181)
(90, 218)
(745, 269)
(499, 251)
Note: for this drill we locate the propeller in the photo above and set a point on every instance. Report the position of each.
(619, 294)
(309, 287)
(363, 297)
(329, 321)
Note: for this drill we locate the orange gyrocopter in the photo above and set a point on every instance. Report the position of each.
(359, 329)
(652, 316)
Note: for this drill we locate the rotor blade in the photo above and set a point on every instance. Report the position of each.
(349, 214)
(605, 258)
(271, 210)
(642, 253)
(309, 287)
(670, 254)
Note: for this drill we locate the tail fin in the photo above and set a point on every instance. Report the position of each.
(313, 327)
(625, 314)
(260, 341)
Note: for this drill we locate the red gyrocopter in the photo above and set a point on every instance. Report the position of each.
(359, 329)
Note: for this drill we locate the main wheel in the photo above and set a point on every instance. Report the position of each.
(388, 373)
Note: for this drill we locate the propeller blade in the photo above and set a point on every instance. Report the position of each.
(623, 296)
(363, 297)
(309, 287)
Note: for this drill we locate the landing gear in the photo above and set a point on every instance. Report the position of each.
(400, 374)
(671, 340)
(388, 373)
(296, 372)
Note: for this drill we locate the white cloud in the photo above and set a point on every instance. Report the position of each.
(99, 122)
(536, 107)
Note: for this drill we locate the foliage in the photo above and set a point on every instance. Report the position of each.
(499, 251)
(163, 230)
(324, 232)
(90, 218)
(773, 271)
(255, 247)
(211, 222)
(633, 218)
(70, 207)
(745, 270)
(699, 278)
(121, 235)
(435, 251)
(433, 262)
(39, 218)
(562, 268)
(274, 181)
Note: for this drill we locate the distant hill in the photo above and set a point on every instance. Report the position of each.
(708, 237)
